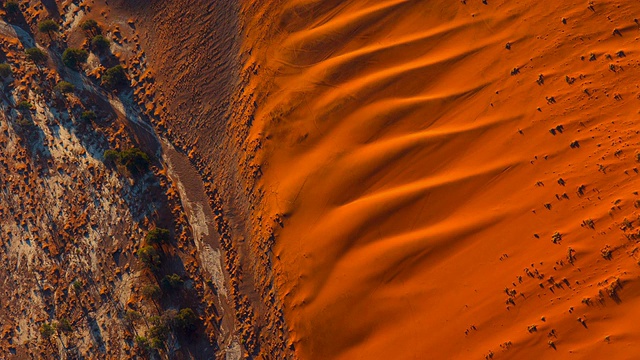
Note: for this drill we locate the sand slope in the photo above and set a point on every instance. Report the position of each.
(421, 185)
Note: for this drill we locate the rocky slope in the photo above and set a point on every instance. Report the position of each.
(90, 272)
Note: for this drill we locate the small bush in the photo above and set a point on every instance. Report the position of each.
(100, 43)
(157, 236)
(156, 342)
(24, 105)
(132, 316)
(158, 332)
(48, 26)
(149, 256)
(36, 55)
(151, 292)
(186, 320)
(172, 282)
(77, 285)
(46, 330)
(74, 57)
(89, 116)
(89, 25)
(64, 325)
(111, 156)
(135, 160)
(65, 87)
(114, 77)
(5, 71)
(143, 343)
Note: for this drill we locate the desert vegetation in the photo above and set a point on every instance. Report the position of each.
(114, 78)
(73, 58)
(73, 156)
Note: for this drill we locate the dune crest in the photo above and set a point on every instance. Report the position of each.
(423, 155)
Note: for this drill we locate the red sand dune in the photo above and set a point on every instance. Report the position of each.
(412, 165)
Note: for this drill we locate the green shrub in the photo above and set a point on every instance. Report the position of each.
(158, 332)
(143, 343)
(46, 330)
(74, 57)
(64, 325)
(132, 315)
(172, 282)
(111, 156)
(100, 43)
(24, 105)
(89, 116)
(156, 342)
(114, 77)
(135, 160)
(65, 87)
(151, 292)
(89, 25)
(36, 55)
(149, 256)
(186, 320)
(77, 285)
(48, 26)
(5, 71)
(157, 236)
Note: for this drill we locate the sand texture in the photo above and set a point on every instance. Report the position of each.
(451, 180)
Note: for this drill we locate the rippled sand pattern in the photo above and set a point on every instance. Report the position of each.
(424, 153)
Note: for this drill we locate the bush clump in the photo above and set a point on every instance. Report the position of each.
(143, 343)
(48, 26)
(149, 256)
(46, 330)
(89, 116)
(132, 316)
(90, 26)
(24, 105)
(65, 87)
(64, 325)
(111, 156)
(172, 282)
(158, 332)
(36, 55)
(114, 78)
(74, 57)
(134, 159)
(100, 43)
(157, 236)
(151, 292)
(5, 71)
(186, 320)
(77, 285)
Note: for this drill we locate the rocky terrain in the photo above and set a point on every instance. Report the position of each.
(117, 240)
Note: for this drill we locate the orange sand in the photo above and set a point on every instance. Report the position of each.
(404, 157)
